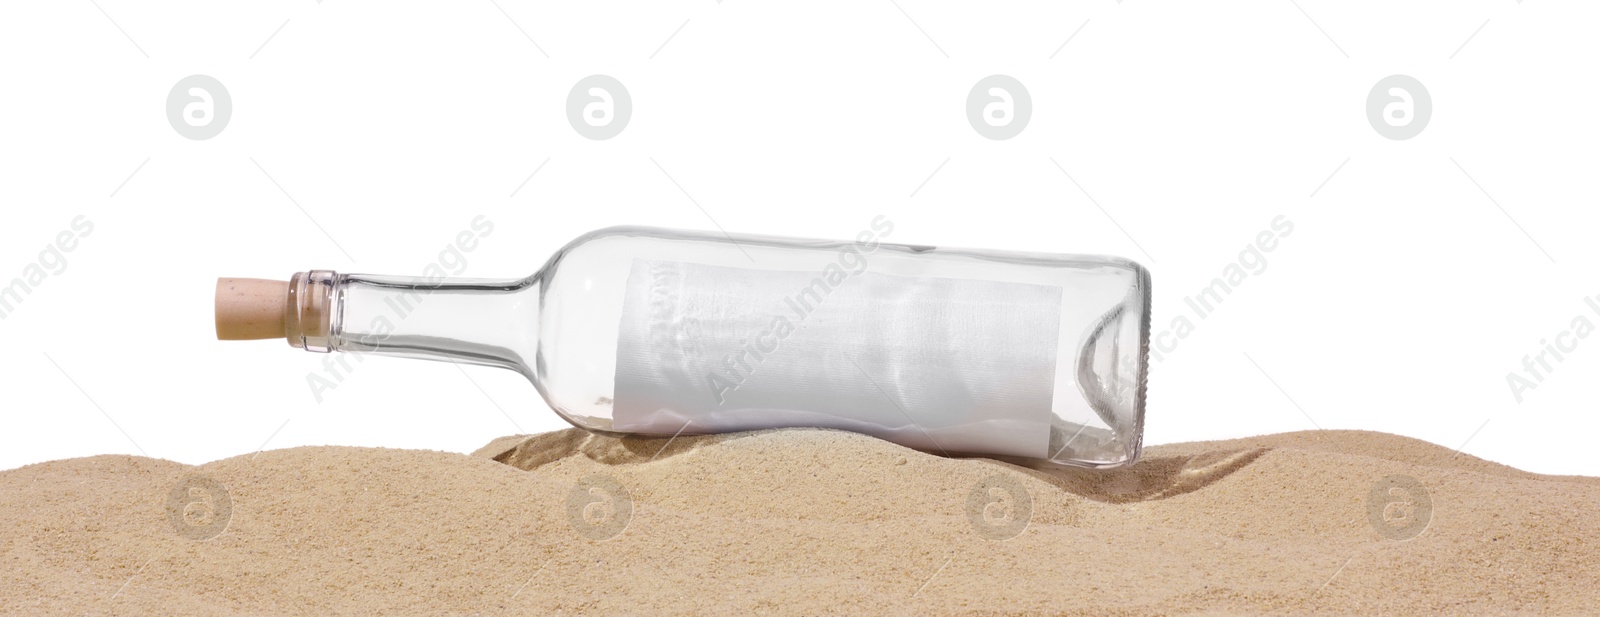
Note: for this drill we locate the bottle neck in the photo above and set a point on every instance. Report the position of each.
(492, 322)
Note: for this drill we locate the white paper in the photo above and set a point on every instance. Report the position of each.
(937, 364)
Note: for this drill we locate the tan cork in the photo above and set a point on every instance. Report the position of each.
(250, 309)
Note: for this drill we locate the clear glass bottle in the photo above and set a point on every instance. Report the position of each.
(641, 331)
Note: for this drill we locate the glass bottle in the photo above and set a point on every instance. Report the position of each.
(1030, 357)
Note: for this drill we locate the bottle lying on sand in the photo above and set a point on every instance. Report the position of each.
(1035, 358)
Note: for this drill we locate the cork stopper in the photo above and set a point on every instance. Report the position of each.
(251, 309)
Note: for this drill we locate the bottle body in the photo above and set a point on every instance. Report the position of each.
(660, 332)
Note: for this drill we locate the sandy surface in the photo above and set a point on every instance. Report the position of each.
(800, 522)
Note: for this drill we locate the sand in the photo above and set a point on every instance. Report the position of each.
(799, 522)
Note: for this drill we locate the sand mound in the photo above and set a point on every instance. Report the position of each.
(799, 522)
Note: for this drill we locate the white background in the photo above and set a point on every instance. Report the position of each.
(1400, 302)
